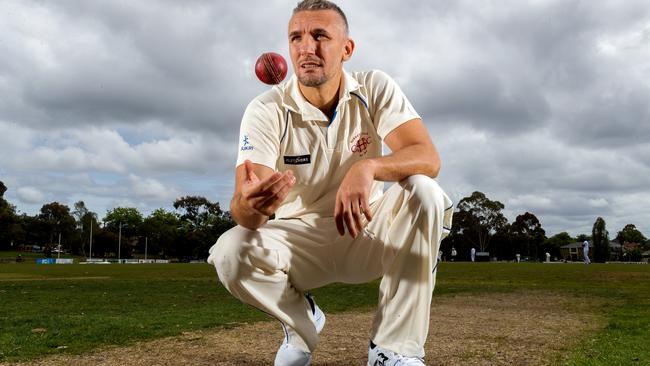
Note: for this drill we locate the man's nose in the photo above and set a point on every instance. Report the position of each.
(307, 46)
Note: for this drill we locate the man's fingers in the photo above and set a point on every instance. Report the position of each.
(272, 202)
(276, 194)
(356, 215)
(348, 214)
(366, 209)
(349, 222)
(338, 218)
(273, 184)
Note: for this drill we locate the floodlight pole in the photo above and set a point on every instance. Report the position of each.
(58, 254)
(145, 247)
(91, 238)
(119, 245)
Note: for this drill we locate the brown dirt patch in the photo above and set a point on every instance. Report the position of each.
(519, 328)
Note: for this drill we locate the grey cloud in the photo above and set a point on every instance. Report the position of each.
(480, 97)
(619, 119)
(133, 62)
(566, 186)
(541, 105)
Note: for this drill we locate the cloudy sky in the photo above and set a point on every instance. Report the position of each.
(542, 105)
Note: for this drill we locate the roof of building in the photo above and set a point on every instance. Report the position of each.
(578, 244)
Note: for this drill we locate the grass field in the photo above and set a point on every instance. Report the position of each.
(75, 308)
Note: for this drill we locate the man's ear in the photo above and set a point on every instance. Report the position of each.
(348, 49)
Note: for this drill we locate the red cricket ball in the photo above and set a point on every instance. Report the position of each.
(271, 68)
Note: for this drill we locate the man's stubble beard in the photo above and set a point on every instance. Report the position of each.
(313, 81)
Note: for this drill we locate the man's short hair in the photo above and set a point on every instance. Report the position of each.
(305, 5)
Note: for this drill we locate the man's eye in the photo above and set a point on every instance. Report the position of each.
(294, 38)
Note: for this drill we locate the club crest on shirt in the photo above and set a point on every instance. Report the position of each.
(359, 144)
(246, 144)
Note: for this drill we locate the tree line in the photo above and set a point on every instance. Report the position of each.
(185, 233)
(188, 231)
(479, 222)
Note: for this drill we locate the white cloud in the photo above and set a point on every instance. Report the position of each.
(30, 195)
(151, 188)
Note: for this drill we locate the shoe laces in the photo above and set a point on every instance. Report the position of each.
(403, 360)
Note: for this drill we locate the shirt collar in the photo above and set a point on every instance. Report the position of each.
(296, 102)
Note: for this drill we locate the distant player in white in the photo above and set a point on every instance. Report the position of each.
(585, 251)
(472, 254)
(311, 154)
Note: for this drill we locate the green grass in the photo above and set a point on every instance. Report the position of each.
(86, 306)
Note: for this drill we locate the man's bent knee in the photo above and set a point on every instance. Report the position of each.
(427, 192)
(226, 256)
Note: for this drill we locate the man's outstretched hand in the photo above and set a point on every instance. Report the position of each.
(352, 199)
(266, 195)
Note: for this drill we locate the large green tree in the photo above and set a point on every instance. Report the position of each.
(478, 219)
(630, 234)
(600, 239)
(202, 222)
(9, 225)
(161, 230)
(55, 219)
(528, 234)
(129, 220)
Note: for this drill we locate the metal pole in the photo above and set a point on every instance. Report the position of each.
(91, 238)
(145, 247)
(58, 254)
(119, 245)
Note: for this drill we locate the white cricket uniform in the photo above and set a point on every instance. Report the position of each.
(301, 249)
(585, 252)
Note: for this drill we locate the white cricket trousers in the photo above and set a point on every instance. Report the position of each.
(270, 268)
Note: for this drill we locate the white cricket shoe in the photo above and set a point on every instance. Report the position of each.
(290, 355)
(378, 356)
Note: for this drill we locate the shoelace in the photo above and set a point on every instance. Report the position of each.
(404, 360)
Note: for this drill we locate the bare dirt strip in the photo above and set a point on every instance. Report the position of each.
(492, 329)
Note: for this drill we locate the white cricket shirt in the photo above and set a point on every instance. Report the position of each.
(283, 131)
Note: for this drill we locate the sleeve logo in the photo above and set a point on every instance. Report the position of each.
(246, 145)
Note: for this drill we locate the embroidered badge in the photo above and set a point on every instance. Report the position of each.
(359, 144)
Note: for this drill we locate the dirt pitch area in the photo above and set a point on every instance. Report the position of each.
(491, 329)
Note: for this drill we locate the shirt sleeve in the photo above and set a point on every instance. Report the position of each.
(259, 135)
(390, 105)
